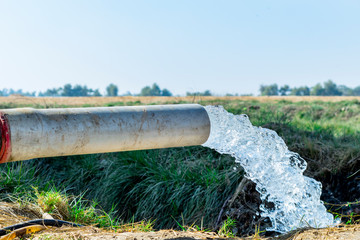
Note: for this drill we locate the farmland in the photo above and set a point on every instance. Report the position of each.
(181, 187)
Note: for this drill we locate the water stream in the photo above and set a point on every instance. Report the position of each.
(289, 199)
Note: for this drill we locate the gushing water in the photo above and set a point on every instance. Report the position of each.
(290, 199)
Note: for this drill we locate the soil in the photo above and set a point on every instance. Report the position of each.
(11, 213)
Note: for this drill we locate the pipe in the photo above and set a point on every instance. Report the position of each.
(28, 133)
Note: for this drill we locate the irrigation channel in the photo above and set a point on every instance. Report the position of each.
(289, 199)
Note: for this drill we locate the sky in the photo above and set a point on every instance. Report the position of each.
(184, 46)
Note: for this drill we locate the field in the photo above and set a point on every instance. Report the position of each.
(189, 188)
(16, 100)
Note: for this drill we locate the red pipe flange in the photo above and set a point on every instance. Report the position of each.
(5, 149)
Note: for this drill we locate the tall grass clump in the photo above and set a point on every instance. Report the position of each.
(186, 184)
(17, 179)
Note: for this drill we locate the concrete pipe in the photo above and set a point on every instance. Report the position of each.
(28, 133)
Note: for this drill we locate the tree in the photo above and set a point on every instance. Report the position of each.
(81, 91)
(145, 91)
(317, 90)
(331, 89)
(4, 92)
(166, 92)
(67, 90)
(112, 90)
(55, 92)
(356, 91)
(284, 90)
(300, 91)
(78, 91)
(205, 93)
(97, 93)
(269, 90)
(154, 91)
(8, 92)
(346, 91)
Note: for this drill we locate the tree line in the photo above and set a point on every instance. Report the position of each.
(69, 90)
(329, 88)
(8, 92)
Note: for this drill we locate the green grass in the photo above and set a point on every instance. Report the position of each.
(226, 230)
(185, 185)
(77, 209)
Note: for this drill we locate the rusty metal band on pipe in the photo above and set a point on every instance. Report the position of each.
(28, 133)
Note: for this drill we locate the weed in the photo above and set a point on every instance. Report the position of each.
(257, 236)
(226, 229)
(351, 220)
(88, 212)
(53, 202)
(141, 226)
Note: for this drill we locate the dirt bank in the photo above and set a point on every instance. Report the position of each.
(13, 213)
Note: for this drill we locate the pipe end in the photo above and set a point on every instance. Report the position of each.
(5, 142)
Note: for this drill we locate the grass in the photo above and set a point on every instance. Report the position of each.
(189, 184)
(226, 230)
(79, 210)
(185, 185)
(53, 202)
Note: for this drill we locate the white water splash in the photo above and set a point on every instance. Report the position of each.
(290, 199)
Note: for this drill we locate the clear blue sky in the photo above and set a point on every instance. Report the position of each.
(184, 45)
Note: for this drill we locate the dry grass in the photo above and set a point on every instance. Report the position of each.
(344, 232)
(12, 213)
(101, 101)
